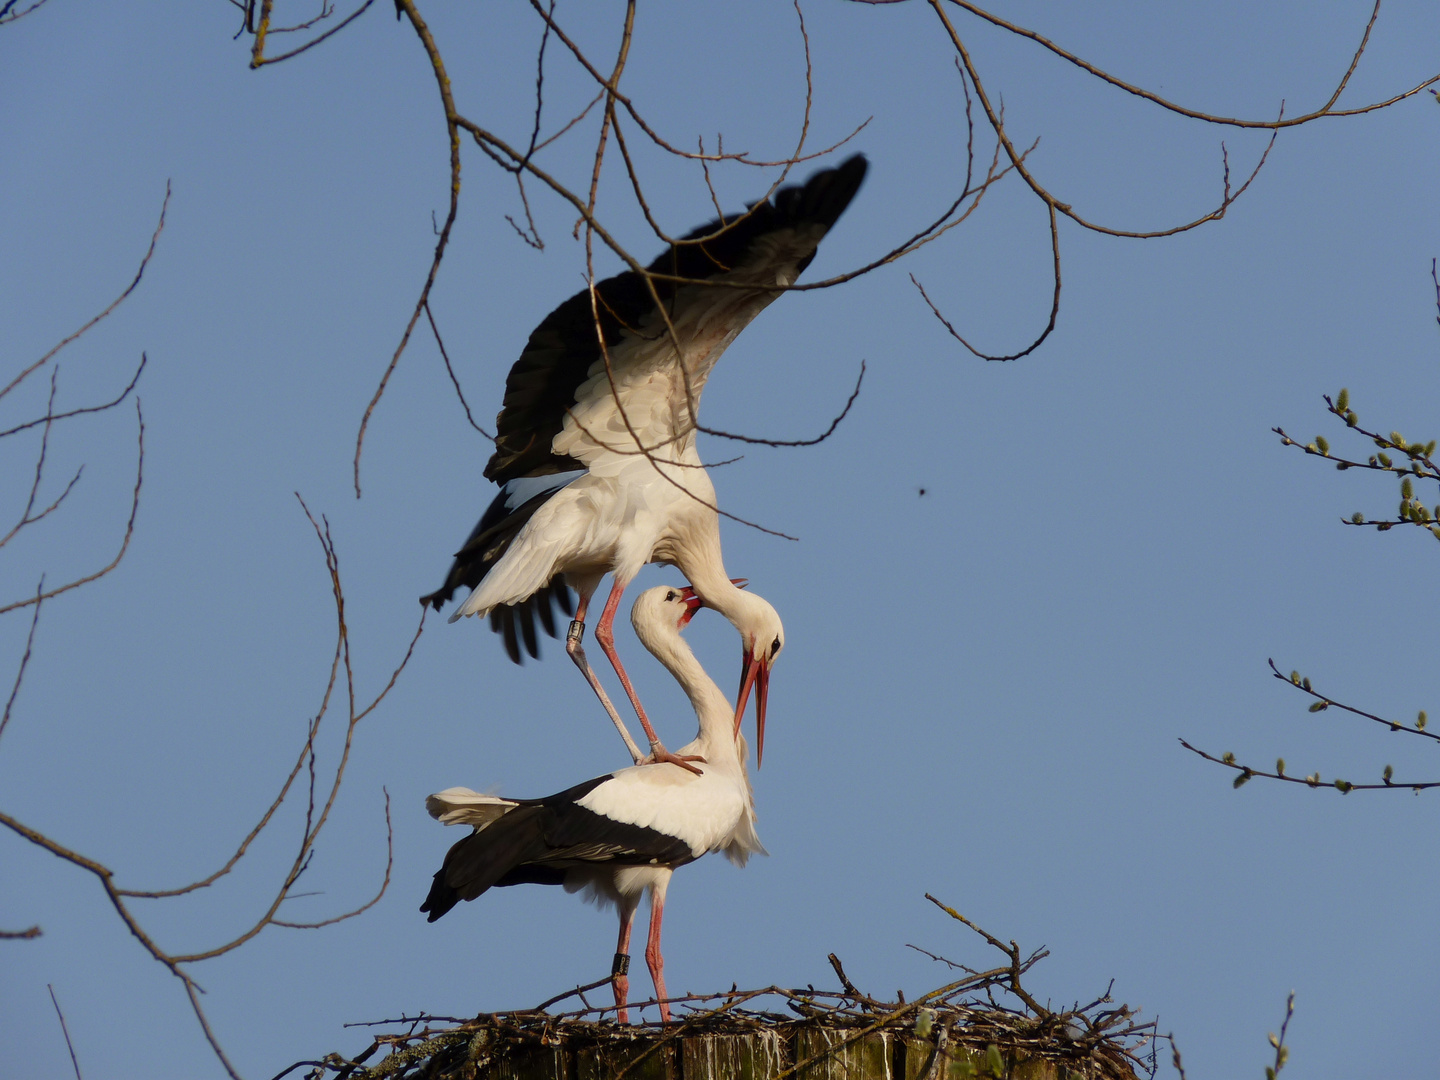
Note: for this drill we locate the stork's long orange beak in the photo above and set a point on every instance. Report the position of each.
(693, 604)
(754, 673)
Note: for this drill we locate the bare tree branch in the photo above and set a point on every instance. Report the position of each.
(134, 284)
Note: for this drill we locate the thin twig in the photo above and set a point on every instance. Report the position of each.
(64, 1030)
(134, 284)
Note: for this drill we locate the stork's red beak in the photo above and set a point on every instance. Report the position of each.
(693, 604)
(754, 673)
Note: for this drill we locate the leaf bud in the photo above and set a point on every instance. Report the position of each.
(1384, 459)
(1358, 518)
(993, 1061)
(1295, 677)
(1313, 779)
(1322, 444)
(1397, 440)
(1351, 419)
(1319, 706)
(1241, 780)
(1280, 766)
(1389, 772)
(1305, 682)
(1343, 401)
(1407, 489)
(1343, 786)
(1229, 759)
(1420, 720)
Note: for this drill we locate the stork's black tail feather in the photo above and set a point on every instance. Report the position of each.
(488, 541)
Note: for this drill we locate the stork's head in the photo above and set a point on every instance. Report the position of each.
(762, 636)
(663, 607)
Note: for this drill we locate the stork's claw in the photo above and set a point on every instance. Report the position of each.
(659, 755)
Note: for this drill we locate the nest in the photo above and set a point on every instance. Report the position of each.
(983, 1025)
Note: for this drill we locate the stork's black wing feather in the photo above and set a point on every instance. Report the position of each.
(538, 840)
(557, 359)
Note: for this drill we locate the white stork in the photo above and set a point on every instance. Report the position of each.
(621, 834)
(595, 446)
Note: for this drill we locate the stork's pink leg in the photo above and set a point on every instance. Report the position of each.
(653, 958)
(605, 635)
(620, 969)
(576, 651)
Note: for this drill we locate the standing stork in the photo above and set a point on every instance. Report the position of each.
(595, 445)
(620, 835)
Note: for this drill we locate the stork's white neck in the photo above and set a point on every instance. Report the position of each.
(712, 708)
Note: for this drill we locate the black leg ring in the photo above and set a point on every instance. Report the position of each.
(576, 631)
(621, 966)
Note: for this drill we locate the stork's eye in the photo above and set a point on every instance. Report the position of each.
(670, 595)
(775, 646)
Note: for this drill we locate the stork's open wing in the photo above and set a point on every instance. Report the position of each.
(560, 353)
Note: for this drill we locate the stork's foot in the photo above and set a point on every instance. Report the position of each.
(659, 755)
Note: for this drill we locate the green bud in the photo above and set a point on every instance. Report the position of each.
(1397, 439)
(1274, 1040)
(1407, 489)
(1322, 444)
(1343, 786)
(1280, 766)
(1389, 772)
(1384, 526)
(1311, 447)
(1358, 518)
(1269, 1072)
(1430, 448)
(1305, 682)
(993, 1061)
(1319, 706)
(1351, 419)
(1229, 759)
(1342, 465)
(1282, 1055)
(1384, 459)
(1343, 401)
(1313, 779)
(1295, 677)
(1242, 779)
(1436, 531)
(1420, 720)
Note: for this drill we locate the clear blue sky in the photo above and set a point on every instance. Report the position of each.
(982, 687)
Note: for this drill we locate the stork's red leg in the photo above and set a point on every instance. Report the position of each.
(653, 958)
(605, 635)
(621, 967)
(576, 651)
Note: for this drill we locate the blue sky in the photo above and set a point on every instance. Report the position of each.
(982, 687)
